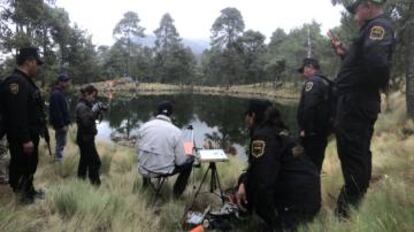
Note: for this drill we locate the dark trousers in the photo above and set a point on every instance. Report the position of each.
(61, 138)
(23, 167)
(315, 146)
(89, 162)
(354, 131)
(183, 171)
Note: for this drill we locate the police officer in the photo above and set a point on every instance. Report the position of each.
(313, 111)
(24, 117)
(281, 184)
(87, 111)
(365, 71)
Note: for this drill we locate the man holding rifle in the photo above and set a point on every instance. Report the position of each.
(365, 71)
(24, 120)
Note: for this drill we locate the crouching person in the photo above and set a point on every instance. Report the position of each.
(86, 114)
(281, 184)
(161, 150)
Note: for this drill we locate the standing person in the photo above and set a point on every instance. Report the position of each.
(365, 71)
(24, 116)
(281, 184)
(59, 114)
(314, 111)
(87, 111)
(161, 149)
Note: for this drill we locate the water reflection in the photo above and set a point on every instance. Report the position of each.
(217, 118)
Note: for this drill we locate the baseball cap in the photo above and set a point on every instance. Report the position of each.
(309, 61)
(352, 5)
(165, 108)
(28, 53)
(63, 77)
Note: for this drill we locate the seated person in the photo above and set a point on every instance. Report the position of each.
(161, 150)
(281, 184)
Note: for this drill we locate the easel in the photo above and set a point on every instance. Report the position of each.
(214, 181)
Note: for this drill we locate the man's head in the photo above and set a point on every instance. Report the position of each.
(309, 68)
(364, 10)
(64, 81)
(28, 60)
(165, 108)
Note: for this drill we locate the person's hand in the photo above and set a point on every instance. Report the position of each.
(339, 47)
(241, 197)
(28, 148)
(302, 133)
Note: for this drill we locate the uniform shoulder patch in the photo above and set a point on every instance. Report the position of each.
(377, 33)
(14, 88)
(308, 86)
(258, 148)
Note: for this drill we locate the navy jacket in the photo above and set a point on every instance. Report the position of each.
(366, 66)
(23, 108)
(313, 110)
(279, 178)
(58, 109)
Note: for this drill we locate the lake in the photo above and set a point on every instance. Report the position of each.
(219, 119)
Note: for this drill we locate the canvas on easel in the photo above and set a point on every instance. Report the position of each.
(212, 155)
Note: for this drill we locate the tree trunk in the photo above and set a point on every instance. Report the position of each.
(410, 62)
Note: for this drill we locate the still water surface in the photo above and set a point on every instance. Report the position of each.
(217, 118)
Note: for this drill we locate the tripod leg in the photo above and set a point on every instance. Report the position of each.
(213, 184)
(217, 178)
(199, 188)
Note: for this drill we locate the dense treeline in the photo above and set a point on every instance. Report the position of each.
(236, 55)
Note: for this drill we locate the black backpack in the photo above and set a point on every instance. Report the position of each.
(331, 99)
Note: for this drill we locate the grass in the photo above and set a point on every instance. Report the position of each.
(121, 205)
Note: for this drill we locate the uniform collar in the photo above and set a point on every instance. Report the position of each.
(29, 79)
(163, 117)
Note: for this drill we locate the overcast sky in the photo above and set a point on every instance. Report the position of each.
(194, 18)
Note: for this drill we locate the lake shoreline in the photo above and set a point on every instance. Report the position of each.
(261, 90)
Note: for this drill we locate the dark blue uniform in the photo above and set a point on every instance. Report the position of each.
(280, 181)
(364, 72)
(313, 117)
(25, 121)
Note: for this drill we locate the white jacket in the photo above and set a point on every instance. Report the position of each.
(159, 147)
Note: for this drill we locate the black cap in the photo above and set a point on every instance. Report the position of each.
(63, 77)
(165, 108)
(28, 53)
(351, 7)
(309, 61)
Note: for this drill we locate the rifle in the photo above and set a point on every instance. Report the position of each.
(46, 136)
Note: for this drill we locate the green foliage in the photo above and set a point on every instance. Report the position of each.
(172, 63)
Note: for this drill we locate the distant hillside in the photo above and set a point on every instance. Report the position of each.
(196, 45)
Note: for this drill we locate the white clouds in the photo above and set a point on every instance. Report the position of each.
(193, 18)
